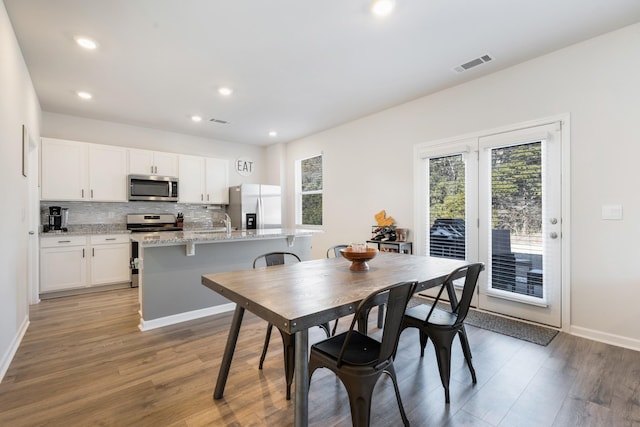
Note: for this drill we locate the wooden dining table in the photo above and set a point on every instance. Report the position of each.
(296, 297)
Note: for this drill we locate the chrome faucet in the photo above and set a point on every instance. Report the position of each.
(227, 223)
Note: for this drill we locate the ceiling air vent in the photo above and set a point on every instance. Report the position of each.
(222, 122)
(473, 63)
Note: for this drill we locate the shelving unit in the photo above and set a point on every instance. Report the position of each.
(399, 247)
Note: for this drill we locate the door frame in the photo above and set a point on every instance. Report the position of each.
(33, 203)
(420, 202)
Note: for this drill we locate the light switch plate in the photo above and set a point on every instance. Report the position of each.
(612, 212)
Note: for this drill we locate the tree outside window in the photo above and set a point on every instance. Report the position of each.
(309, 189)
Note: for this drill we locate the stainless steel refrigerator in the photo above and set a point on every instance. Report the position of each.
(260, 204)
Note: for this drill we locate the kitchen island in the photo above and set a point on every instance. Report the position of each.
(171, 265)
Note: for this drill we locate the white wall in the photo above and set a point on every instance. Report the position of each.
(18, 105)
(368, 164)
(110, 133)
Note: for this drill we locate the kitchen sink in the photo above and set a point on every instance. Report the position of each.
(211, 230)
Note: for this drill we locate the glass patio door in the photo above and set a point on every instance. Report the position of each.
(451, 231)
(520, 224)
(497, 199)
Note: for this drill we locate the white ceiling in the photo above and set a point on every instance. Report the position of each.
(296, 66)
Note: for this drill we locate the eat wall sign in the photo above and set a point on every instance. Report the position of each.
(244, 166)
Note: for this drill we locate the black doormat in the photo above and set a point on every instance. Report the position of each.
(511, 327)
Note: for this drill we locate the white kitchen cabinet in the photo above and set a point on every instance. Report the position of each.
(72, 262)
(110, 257)
(63, 170)
(191, 179)
(203, 180)
(146, 162)
(107, 173)
(73, 170)
(217, 181)
(63, 263)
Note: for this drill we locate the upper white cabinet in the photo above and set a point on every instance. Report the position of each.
(203, 180)
(145, 162)
(80, 171)
(217, 181)
(107, 173)
(191, 179)
(73, 170)
(64, 170)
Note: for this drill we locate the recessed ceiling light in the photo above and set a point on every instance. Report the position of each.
(273, 133)
(382, 7)
(225, 91)
(86, 42)
(84, 95)
(196, 118)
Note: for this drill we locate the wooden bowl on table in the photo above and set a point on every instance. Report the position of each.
(359, 258)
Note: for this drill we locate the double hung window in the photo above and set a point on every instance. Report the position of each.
(309, 191)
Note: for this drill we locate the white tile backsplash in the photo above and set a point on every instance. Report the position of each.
(90, 213)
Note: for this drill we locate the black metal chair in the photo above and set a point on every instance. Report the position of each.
(359, 360)
(443, 325)
(288, 341)
(334, 251)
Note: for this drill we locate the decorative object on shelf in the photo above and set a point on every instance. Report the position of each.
(383, 220)
(383, 234)
(386, 231)
(359, 257)
(396, 247)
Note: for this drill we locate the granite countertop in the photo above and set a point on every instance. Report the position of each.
(205, 236)
(188, 236)
(88, 229)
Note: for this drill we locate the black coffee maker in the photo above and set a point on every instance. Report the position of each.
(58, 217)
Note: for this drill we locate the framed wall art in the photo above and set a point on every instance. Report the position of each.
(25, 151)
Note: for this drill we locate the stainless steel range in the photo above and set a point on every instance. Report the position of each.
(148, 223)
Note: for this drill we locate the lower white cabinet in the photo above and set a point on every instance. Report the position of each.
(110, 256)
(71, 262)
(63, 263)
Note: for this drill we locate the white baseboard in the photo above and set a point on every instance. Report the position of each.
(147, 325)
(13, 348)
(617, 340)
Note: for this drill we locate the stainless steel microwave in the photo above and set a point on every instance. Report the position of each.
(153, 188)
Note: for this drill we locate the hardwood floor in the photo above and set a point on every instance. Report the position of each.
(84, 362)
